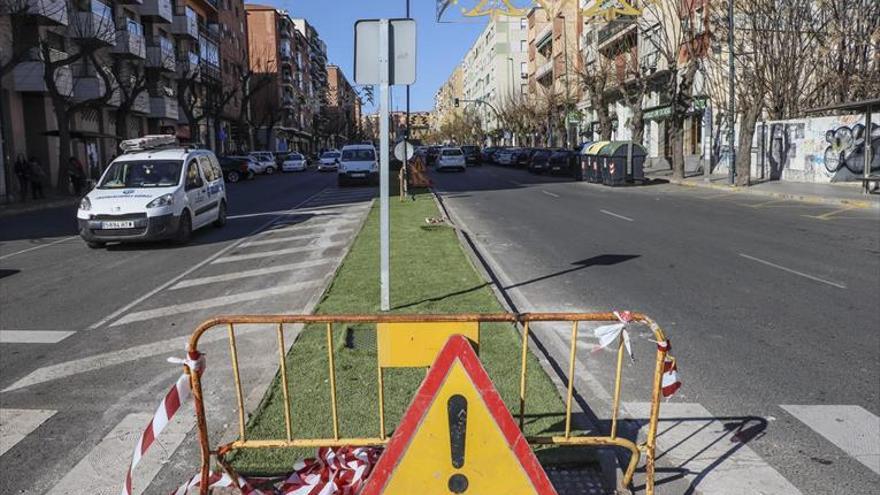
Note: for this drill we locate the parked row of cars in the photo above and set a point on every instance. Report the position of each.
(247, 166)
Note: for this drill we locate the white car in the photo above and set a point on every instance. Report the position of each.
(265, 160)
(450, 158)
(294, 162)
(329, 161)
(505, 156)
(155, 190)
(358, 164)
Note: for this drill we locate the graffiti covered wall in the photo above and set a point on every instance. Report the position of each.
(821, 149)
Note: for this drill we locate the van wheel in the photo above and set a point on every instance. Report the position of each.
(221, 215)
(184, 229)
(232, 177)
(270, 170)
(95, 244)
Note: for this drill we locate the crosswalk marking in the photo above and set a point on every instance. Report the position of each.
(15, 424)
(102, 470)
(279, 252)
(298, 237)
(852, 429)
(300, 228)
(712, 452)
(250, 273)
(212, 303)
(33, 336)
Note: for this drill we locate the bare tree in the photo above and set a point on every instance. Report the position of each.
(596, 79)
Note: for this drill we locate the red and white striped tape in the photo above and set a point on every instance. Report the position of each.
(340, 471)
(169, 406)
(219, 480)
(669, 382)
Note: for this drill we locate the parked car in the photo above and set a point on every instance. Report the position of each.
(329, 161)
(154, 190)
(486, 154)
(561, 162)
(294, 162)
(539, 162)
(254, 166)
(471, 154)
(451, 158)
(265, 160)
(358, 164)
(433, 153)
(524, 157)
(506, 156)
(236, 168)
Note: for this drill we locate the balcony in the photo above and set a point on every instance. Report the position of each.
(615, 30)
(544, 36)
(157, 11)
(48, 12)
(93, 87)
(93, 26)
(161, 58)
(28, 76)
(141, 103)
(130, 45)
(163, 107)
(209, 71)
(130, 2)
(188, 67)
(186, 24)
(544, 70)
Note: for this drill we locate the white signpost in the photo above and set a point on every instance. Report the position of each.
(385, 54)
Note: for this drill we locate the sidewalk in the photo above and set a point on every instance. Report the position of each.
(846, 193)
(50, 201)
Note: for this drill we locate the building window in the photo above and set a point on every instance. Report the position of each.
(523, 46)
(523, 69)
(523, 23)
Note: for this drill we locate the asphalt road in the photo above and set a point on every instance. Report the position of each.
(772, 309)
(84, 334)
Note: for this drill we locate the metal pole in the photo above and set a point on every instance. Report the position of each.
(384, 243)
(407, 93)
(868, 149)
(731, 135)
(567, 93)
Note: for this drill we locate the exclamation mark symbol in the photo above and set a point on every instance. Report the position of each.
(457, 408)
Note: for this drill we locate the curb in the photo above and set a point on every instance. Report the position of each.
(806, 198)
(9, 209)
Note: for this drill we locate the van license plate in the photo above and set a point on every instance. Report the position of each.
(119, 224)
(357, 175)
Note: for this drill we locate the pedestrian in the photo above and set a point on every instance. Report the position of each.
(76, 174)
(21, 171)
(36, 175)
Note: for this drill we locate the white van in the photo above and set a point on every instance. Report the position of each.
(358, 164)
(156, 190)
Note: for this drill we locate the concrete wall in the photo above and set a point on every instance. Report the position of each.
(821, 149)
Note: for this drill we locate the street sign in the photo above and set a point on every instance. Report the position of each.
(404, 151)
(457, 437)
(401, 51)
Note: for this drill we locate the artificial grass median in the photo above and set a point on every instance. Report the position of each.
(429, 274)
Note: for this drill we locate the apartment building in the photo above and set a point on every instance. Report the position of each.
(553, 64)
(626, 49)
(343, 108)
(494, 70)
(231, 129)
(444, 99)
(314, 64)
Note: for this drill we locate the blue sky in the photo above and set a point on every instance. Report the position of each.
(440, 46)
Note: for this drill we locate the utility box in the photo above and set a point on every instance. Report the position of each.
(593, 164)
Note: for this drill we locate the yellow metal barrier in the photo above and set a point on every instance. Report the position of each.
(429, 331)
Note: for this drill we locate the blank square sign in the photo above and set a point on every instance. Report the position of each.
(401, 56)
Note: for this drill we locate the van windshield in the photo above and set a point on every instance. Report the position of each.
(152, 173)
(330, 154)
(363, 155)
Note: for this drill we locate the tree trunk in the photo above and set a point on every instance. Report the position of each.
(676, 137)
(637, 124)
(744, 147)
(63, 118)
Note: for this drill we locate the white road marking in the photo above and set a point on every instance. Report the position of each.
(66, 369)
(298, 228)
(249, 273)
(212, 303)
(852, 429)
(548, 193)
(617, 216)
(713, 453)
(515, 183)
(193, 268)
(33, 336)
(102, 470)
(59, 241)
(15, 424)
(278, 252)
(795, 272)
(299, 237)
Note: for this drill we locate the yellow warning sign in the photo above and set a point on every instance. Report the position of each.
(457, 437)
(416, 344)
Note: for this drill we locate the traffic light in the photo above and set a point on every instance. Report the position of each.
(455, 102)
